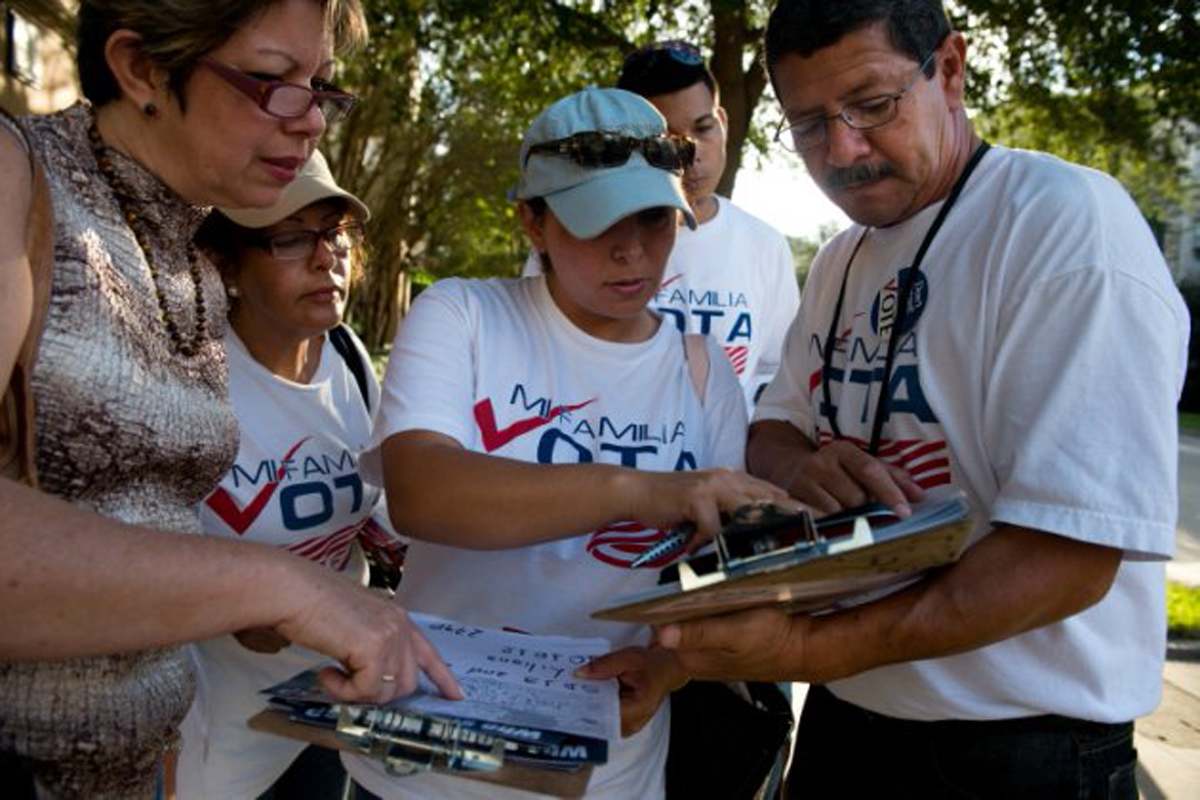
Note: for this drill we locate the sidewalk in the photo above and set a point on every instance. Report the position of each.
(1168, 741)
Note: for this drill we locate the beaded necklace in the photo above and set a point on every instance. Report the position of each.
(125, 197)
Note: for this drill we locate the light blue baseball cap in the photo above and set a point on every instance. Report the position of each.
(590, 200)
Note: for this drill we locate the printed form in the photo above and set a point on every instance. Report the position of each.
(519, 679)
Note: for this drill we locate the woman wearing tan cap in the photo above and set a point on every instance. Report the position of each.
(302, 389)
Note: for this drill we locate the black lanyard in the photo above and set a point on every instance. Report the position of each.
(885, 393)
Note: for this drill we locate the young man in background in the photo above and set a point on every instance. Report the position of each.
(733, 277)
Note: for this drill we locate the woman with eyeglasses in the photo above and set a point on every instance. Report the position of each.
(190, 103)
(302, 388)
(537, 435)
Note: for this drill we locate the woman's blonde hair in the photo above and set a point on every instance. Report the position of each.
(175, 33)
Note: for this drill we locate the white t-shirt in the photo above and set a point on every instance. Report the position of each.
(296, 485)
(732, 278)
(495, 365)
(1041, 377)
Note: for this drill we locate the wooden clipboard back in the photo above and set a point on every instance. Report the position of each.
(558, 783)
(807, 586)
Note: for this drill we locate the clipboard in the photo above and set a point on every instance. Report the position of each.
(768, 558)
(559, 783)
(524, 721)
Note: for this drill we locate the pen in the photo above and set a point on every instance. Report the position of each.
(673, 542)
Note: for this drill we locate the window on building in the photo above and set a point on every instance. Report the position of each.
(23, 53)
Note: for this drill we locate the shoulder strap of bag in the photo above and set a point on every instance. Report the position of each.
(17, 440)
(339, 337)
(695, 350)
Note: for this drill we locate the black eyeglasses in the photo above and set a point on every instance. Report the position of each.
(295, 245)
(594, 149)
(282, 99)
(874, 112)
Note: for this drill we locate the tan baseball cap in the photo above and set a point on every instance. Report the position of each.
(313, 183)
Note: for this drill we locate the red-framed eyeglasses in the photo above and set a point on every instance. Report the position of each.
(282, 99)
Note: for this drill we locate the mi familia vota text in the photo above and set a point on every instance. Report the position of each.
(294, 466)
(706, 312)
(860, 354)
(864, 366)
(567, 434)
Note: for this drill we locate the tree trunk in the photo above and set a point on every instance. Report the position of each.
(741, 87)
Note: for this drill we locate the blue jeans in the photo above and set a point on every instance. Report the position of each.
(845, 751)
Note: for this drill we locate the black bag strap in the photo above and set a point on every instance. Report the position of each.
(343, 342)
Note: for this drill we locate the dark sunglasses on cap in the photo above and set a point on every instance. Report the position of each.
(594, 149)
(683, 52)
(644, 60)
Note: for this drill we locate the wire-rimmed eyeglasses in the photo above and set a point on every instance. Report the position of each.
(809, 132)
(282, 99)
(295, 245)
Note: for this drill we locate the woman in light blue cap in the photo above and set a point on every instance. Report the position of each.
(538, 434)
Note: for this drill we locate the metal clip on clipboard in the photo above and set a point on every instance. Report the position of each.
(759, 532)
(408, 743)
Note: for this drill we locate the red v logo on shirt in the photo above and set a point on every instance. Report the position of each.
(225, 507)
(494, 439)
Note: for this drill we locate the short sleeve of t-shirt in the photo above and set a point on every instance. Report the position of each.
(1075, 449)
(429, 366)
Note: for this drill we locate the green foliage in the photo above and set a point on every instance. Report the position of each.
(1110, 85)
(1183, 611)
(448, 86)
(1105, 49)
(1189, 421)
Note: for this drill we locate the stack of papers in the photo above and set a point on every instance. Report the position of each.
(523, 706)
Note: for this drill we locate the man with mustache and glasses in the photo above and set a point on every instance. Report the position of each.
(997, 321)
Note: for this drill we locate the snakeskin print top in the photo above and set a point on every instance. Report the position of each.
(125, 427)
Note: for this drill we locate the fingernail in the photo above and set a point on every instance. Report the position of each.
(667, 635)
(903, 510)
